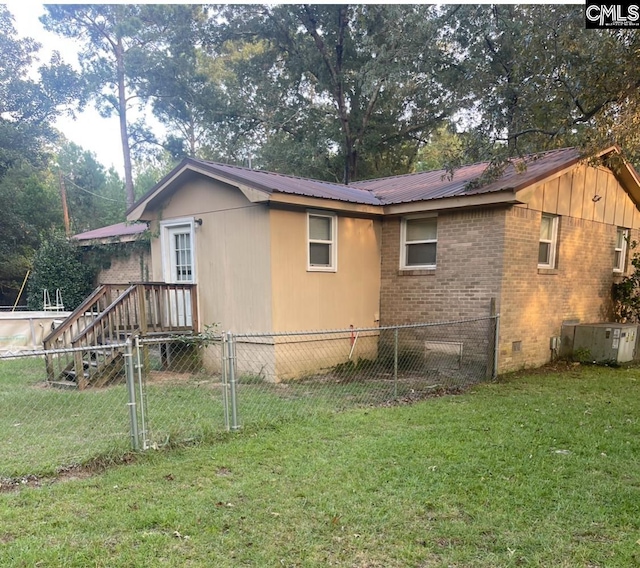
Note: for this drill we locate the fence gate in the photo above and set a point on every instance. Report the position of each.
(180, 389)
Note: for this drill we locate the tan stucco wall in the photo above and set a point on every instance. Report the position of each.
(304, 300)
(232, 254)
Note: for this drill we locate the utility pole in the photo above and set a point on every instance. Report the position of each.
(65, 208)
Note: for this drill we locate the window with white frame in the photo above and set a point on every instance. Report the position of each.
(322, 241)
(418, 243)
(620, 252)
(548, 241)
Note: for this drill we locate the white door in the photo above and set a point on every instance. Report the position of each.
(178, 268)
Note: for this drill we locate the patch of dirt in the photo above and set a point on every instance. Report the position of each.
(434, 392)
(64, 474)
(174, 378)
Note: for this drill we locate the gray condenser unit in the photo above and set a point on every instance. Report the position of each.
(604, 342)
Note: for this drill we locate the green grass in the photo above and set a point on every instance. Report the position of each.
(536, 470)
(43, 429)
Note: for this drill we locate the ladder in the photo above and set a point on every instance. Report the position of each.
(48, 306)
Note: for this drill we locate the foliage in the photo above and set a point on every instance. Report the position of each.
(535, 79)
(30, 99)
(58, 265)
(94, 195)
(626, 292)
(28, 105)
(344, 85)
(29, 206)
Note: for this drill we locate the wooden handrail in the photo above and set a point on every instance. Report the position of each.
(95, 296)
(103, 315)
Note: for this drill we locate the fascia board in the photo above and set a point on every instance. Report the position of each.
(324, 204)
(461, 202)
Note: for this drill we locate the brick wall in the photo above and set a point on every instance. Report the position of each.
(467, 275)
(493, 253)
(125, 269)
(535, 302)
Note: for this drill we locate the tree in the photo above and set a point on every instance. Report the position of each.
(535, 79)
(120, 44)
(344, 85)
(94, 196)
(28, 105)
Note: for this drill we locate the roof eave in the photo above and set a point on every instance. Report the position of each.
(325, 203)
(107, 240)
(506, 196)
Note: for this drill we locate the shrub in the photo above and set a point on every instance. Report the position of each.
(626, 293)
(58, 265)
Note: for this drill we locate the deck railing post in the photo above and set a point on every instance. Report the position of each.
(195, 323)
(78, 366)
(143, 324)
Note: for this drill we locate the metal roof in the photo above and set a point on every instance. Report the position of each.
(442, 184)
(112, 231)
(422, 186)
(270, 182)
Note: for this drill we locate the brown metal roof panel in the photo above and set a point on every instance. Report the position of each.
(272, 182)
(440, 184)
(424, 185)
(112, 231)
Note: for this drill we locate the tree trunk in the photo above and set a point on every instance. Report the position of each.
(124, 130)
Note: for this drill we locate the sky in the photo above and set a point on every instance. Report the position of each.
(89, 129)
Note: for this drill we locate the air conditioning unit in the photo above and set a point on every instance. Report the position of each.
(605, 342)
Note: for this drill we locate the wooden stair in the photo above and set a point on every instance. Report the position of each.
(88, 346)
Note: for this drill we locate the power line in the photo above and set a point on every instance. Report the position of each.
(90, 192)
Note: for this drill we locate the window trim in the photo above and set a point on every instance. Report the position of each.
(619, 269)
(404, 243)
(553, 243)
(333, 242)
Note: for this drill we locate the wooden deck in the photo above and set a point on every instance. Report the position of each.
(111, 314)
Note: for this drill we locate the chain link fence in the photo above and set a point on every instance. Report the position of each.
(44, 426)
(278, 376)
(163, 389)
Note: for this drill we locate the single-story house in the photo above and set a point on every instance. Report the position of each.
(542, 244)
(125, 250)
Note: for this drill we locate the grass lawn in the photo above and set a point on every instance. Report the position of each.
(535, 470)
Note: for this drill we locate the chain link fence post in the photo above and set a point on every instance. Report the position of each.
(142, 358)
(233, 399)
(395, 363)
(131, 390)
(495, 347)
(225, 380)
